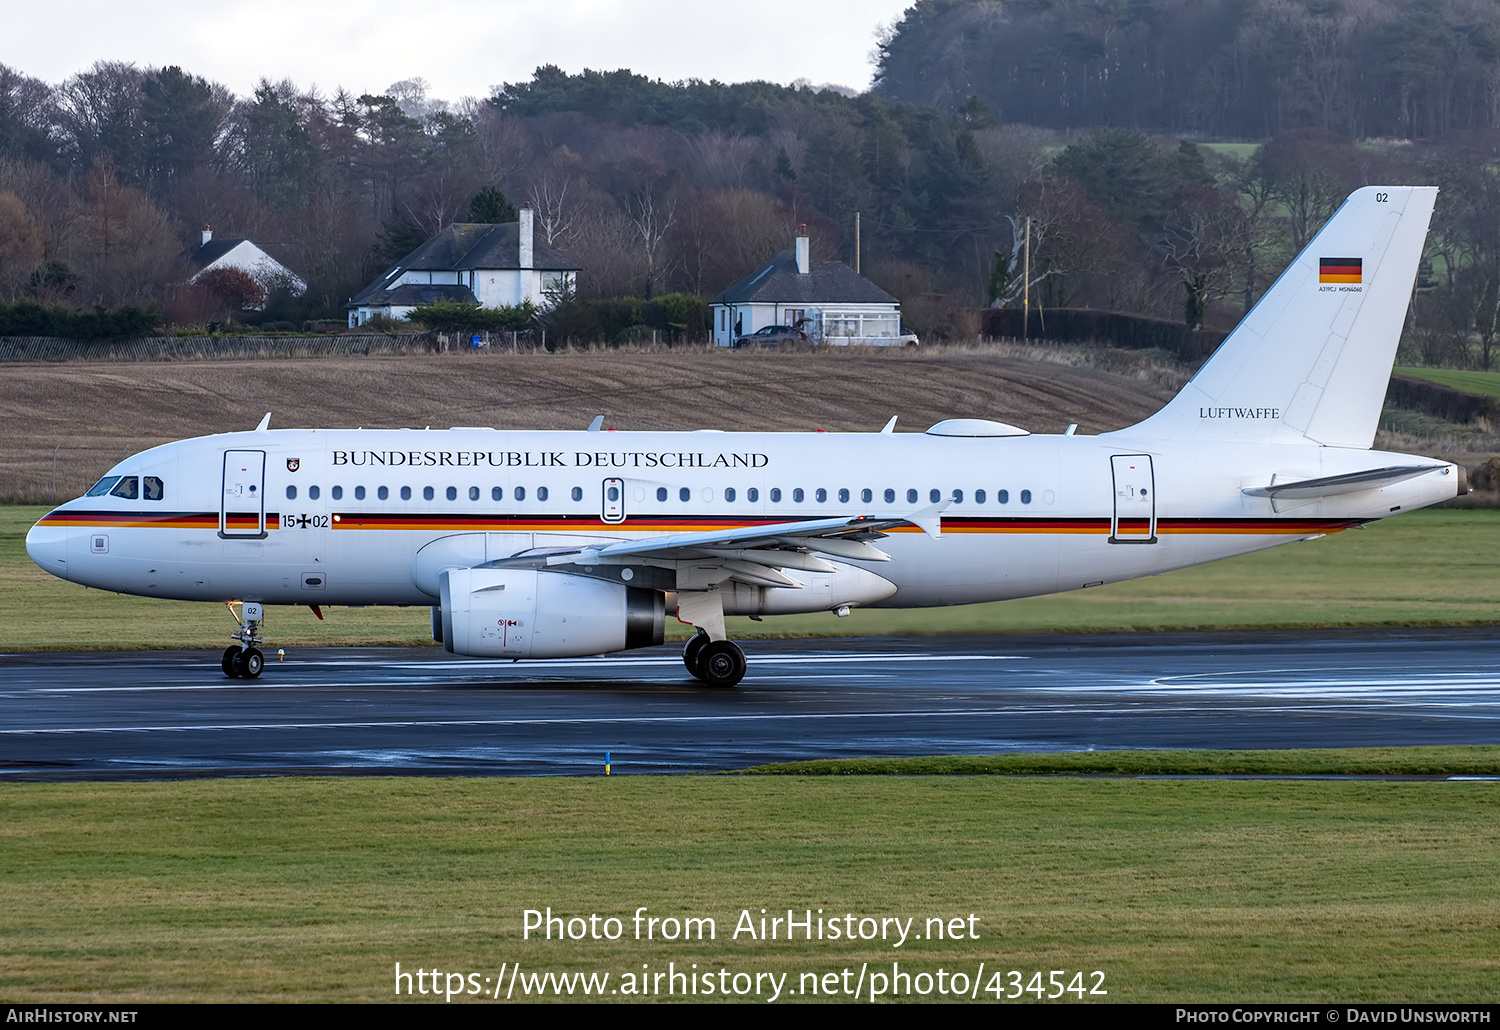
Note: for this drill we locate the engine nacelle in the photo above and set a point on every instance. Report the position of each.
(525, 613)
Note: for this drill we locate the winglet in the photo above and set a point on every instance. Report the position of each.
(930, 520)
(265, 423)
(597, 424)
(890, 427)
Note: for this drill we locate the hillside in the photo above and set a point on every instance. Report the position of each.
(91, 414)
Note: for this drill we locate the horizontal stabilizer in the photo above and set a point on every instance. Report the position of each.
(1349, 483)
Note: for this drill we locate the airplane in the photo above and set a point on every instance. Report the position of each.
(531, 545)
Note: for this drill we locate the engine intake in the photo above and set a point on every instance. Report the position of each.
(527, 613)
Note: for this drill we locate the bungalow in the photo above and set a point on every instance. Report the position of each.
(247, 257)
(470, 263)
(828, 301)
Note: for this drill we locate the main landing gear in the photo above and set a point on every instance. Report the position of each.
(244, 660)
(718, 663)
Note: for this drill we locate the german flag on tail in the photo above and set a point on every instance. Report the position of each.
(1340, 270)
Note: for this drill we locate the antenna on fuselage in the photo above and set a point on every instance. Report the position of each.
(597, 424)
(890, 427)
(265, 423)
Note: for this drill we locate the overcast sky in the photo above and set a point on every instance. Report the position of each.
(461, 47)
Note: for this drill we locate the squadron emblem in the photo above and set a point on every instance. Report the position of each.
(293, 464)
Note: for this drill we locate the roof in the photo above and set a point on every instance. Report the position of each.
(206, 254)
(468, 246)
(827, 282)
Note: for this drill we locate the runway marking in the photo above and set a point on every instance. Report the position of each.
(665, 719)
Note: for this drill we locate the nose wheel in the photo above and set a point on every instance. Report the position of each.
(244, 660)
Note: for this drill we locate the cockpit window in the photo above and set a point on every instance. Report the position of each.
(129, 487)
(153, 488)
(101, 488)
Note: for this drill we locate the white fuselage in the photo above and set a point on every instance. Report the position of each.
(340, 517)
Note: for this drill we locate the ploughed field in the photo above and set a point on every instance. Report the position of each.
(85, 416)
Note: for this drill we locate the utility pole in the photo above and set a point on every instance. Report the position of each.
(1026, 286)
(856, 243)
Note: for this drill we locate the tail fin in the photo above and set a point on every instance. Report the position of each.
(1312, 360)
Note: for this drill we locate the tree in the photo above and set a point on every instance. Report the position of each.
(20, 244)
(490, 206)
(237, 289)
(180, 122)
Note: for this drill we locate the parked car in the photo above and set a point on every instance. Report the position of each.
(772, 334)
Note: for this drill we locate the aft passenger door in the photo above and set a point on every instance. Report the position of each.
(1134, 519)
(242, 508)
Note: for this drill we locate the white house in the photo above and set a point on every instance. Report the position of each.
(828, 301)
(491, 265)
(247, 257)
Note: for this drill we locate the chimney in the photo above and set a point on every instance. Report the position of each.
(208, 234)
(526, 236)
(803, 257)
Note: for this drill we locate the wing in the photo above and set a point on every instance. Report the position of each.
(749, 554)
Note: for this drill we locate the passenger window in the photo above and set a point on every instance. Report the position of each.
(752, 494)
(426, 493)
(911, 497)
(337, 493)
(152, 488)
(578, 492)
(519, 493)
(541, 493)
(451, 493)
(890, 496)
(1025, 496)
(684, 494)
(128, 487)
(101, 488)
(383, 493)
(978, 496)
(291, 493)
(729, 494)
(473, 493)
(661, 493)
(312, 493)
(797, 495)
(359, 493)
(496, 493)
(866, 496)
(843, 496)
(821, 495)
(406, 493)
(775, 495)
(958, 497)
(934, 496)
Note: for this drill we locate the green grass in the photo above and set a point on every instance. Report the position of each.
(312, 889)
(1486, 384)
(1369, 761)
(1427, 568)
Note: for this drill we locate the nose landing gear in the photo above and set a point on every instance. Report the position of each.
(244, 660)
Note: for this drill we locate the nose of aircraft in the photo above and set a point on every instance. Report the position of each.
(48, 547)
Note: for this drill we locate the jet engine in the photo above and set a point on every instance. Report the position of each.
(528, 613)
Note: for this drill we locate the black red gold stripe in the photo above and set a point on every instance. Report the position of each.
(517, 523)
(1340, 270)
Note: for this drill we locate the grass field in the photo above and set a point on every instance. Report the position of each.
(1428, 568)
(1177, 890)
(1484, 383)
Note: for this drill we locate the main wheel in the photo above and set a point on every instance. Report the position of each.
(230, 654)
(693, 649)
(721, 663)
(252, 663)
